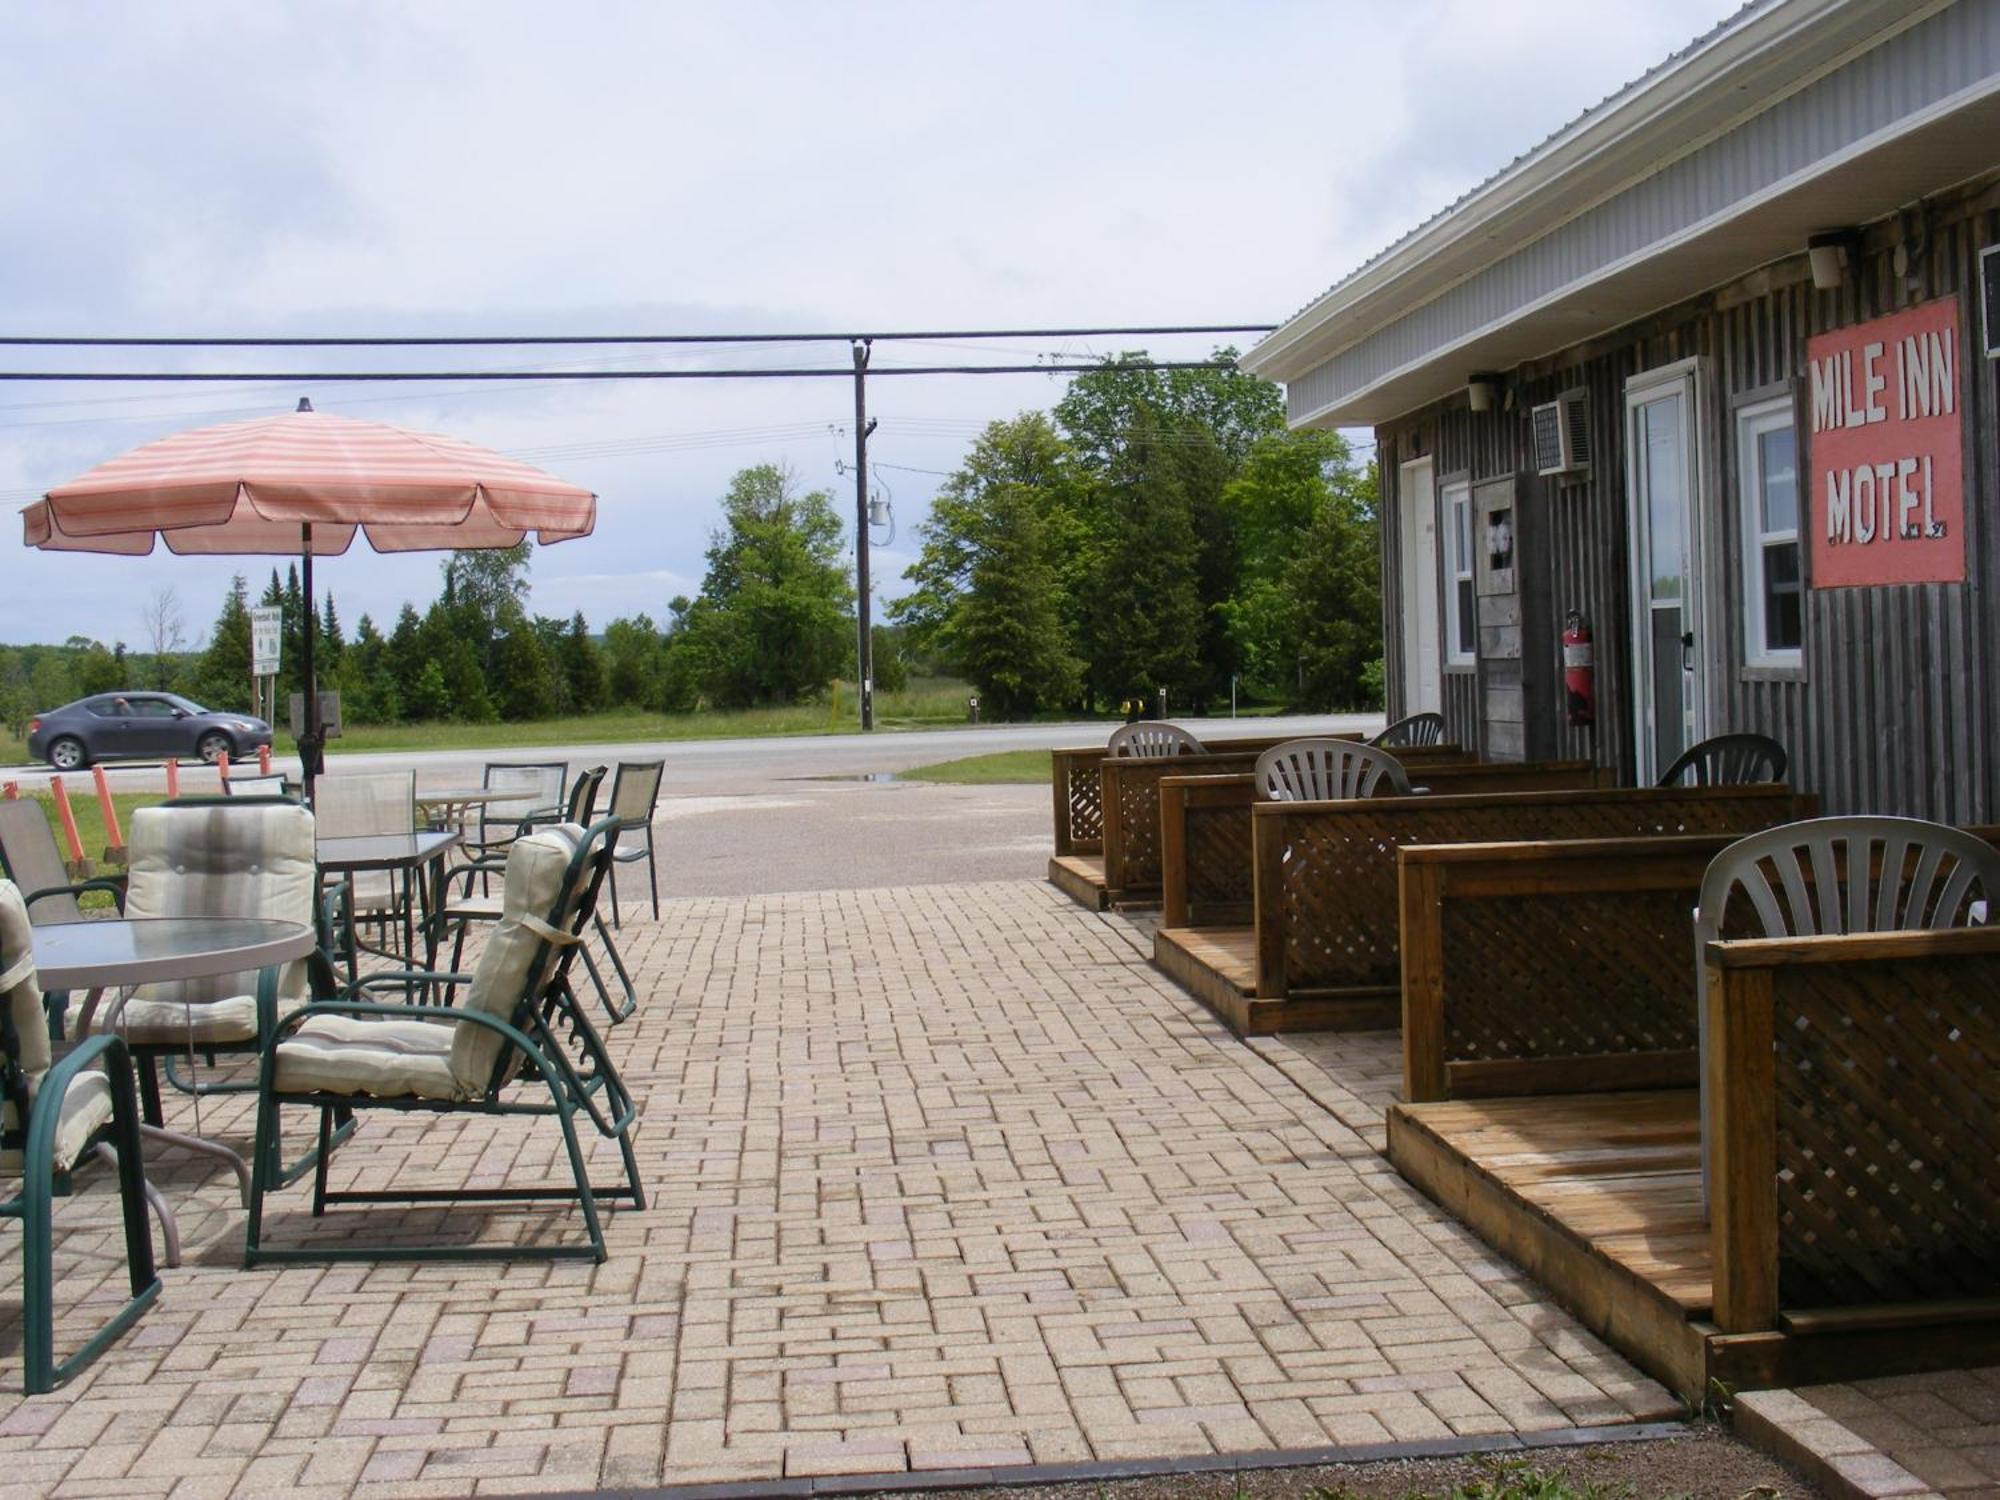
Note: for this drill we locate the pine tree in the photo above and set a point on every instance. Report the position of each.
(221, 675)
(582, 669)
(1005, 633)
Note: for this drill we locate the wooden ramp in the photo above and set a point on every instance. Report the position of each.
(1598, 1196)
(1218, 966)
(1081, 878)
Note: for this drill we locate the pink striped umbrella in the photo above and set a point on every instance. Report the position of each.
(304, 483)
(249, 487)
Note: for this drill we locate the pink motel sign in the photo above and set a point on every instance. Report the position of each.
(1887, 503)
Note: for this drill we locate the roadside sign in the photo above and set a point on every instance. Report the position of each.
(266, 629)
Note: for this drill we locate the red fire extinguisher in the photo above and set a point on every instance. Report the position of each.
(1579, 670)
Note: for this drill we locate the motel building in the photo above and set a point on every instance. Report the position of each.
(1705, 383)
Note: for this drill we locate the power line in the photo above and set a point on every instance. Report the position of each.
(293, 377)
(440, 341)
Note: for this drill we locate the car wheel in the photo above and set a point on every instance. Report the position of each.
(68, 754)
(212, 746)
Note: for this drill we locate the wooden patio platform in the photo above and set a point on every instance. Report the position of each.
(1598, 1197)
(1081, 878)
(1218, 966)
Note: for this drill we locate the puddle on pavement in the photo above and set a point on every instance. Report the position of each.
(880, 778)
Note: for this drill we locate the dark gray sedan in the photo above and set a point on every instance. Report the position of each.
(140, 726)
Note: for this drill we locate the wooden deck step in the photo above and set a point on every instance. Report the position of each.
(1081, 878)
(1218, 966)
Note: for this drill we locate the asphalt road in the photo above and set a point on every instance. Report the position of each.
(738, 817)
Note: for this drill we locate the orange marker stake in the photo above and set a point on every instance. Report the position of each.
(66, 815)
(263, 760)
(11, 791)
(222, 771)
(173, 778)
(114, 836)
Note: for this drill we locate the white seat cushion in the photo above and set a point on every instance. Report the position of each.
(148, 1023)
(383, 1058)
(86, 1109)
(536, 866)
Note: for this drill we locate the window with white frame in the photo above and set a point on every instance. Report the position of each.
(1767, 446)
(1461, 614)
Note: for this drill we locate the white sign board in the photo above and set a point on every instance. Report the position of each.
(266, 629)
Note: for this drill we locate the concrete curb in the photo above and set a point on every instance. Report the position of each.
(1103, 1471)
(1791, 1429)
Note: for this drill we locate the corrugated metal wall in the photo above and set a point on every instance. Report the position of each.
(1896, 709)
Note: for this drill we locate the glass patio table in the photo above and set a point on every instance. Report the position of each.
(128, 952)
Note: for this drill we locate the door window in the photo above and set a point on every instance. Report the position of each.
(1665, 571)
(1767, 446)
(1461, 616)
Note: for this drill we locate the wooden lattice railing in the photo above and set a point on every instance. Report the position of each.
(1077, 781)
(1854, 1090)
(1550, 967)
(1327, 910)
(1205, 868)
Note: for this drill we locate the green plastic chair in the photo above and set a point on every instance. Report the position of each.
(510, 1041)
(56, 1115)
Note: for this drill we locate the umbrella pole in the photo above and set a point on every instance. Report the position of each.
(309, 741)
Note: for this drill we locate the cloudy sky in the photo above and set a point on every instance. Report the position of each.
(492, 167)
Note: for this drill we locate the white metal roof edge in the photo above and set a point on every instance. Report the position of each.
(1537, 179)
(1338, 411)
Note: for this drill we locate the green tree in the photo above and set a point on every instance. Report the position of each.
(1143, 614)
(1335, 584)
(221, 675)
(366, 683)
(885, 654)
(1294, 491)
(774, 620)
(632, 651)
(580, 666)
(523, 676)
(1182, 435)
(1005, 632)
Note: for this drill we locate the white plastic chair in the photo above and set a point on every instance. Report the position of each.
(1152, 737)
(1832, 876)
(1326, 771)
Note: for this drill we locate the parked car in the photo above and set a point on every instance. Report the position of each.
(140, 726)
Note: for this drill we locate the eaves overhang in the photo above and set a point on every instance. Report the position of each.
(1744, 69)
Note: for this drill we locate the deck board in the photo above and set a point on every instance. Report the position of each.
(1230, 952)
(1619, 1172)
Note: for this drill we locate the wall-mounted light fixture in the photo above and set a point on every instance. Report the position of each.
(1482, 389)
(1831, 255)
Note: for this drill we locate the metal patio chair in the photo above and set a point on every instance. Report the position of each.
(355, 806)
(32, 861)
(1151, 737)
(536, 797)
(513, 1042)
(635, 797)
(460, 912)
(1832, 876)
(1426, 728)
(1729, 760)
(212, 857)
(1326, 771)
(56, 1114)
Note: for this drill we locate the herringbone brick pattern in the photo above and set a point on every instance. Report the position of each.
(941, 1176)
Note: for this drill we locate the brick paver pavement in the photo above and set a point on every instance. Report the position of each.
(1904, 1435)
(941, 1176)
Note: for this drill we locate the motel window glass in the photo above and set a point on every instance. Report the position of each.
(1461, 615)
(1773, 595)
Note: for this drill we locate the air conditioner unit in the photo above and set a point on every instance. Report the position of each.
(1560, 431)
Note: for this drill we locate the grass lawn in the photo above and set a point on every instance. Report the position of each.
(1025, 767)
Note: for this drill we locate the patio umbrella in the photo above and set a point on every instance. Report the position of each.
(304, 482)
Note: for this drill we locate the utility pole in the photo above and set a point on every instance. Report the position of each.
(864, 656)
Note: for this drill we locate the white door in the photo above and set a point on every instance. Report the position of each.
(1662, 440)
(1417, 498)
